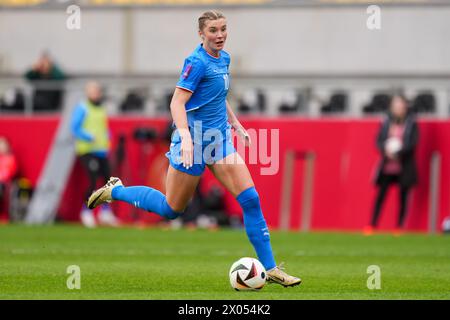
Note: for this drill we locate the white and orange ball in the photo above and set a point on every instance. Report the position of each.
(247, 274)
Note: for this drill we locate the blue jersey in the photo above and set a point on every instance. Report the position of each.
(208, 79)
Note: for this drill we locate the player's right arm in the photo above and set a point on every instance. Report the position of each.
(178, 111)
(191, 75)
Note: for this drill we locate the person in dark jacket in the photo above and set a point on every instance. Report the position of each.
(46, 78)
(397, 140)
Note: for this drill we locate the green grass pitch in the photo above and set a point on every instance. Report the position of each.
(128, 263)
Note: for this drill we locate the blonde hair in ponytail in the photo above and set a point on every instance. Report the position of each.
(208, 15)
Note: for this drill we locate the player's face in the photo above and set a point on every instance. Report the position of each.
(214, 34)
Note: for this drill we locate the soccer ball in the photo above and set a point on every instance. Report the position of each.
(247, 274)
(393, 145)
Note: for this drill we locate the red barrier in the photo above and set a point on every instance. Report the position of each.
(345, 160)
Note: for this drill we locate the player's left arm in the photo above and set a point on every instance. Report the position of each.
(240, 130)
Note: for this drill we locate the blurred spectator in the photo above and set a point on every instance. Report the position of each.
(8, 171)
(20, 197)
(90, 129)
(397, 140)
(47, 96)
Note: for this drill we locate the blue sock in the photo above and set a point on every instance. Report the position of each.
(256, 226)
(145, 198)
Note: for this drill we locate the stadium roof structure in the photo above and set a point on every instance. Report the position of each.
(206, 3)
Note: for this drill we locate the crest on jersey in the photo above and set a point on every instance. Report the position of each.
(187, 70)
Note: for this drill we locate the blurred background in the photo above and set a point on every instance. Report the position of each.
(311, 68)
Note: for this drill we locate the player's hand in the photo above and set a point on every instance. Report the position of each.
(243, 135)
(187, 150)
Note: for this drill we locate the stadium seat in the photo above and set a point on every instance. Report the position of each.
(134, 101)
(424, 102)
(13, 100)
(337, 104)
(243, 107)
(252, 101)
(379, 103)
(292, 103)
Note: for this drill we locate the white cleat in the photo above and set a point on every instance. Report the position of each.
(277, 275)
(103, 195)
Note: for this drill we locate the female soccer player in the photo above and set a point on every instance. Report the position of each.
(203, 119)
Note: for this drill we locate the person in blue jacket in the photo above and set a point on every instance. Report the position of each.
(92, 142)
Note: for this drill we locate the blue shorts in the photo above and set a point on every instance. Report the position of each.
(210, 146)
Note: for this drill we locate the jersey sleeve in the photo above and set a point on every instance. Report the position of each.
(77, 120)
(227, 58)
(191, 75)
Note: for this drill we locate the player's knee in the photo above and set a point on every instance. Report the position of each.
(171, 213)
